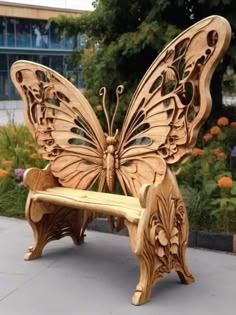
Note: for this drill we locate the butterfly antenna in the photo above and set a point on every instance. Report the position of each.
(119, 91)
(103, 93)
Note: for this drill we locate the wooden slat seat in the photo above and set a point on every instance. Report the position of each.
(104, 203)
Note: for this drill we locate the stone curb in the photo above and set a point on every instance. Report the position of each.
(197, 239)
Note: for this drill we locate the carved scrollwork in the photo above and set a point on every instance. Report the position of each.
(53, 226)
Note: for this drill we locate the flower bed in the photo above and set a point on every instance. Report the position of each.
(17, 152)
(207, 180)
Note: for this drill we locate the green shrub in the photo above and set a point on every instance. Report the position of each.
(17, 152)
(207, 180)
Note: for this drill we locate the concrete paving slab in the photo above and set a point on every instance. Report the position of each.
(98, 278)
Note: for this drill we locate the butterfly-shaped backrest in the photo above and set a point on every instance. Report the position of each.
(160, 127)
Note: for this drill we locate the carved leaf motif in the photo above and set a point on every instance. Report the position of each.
(153, 235)
(174, 249)
(174, 240)
(160, 252)
(162, 238)
(174, 232)
(166, 222)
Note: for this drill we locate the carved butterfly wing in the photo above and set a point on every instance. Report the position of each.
(63, 124)
(170, 104)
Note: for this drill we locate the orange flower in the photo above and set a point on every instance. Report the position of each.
(3, 173)
(99, 108)
(216, 151)
(207, 137)
(215, 130)
(197, 152)
(225, 182)
(7, 162)
(233, 124)
(223, 121)
(34, 156)
(222, 156)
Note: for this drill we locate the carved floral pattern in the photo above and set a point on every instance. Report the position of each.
(165, 228)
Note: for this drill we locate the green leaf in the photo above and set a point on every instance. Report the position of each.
(215, 202)
(233, 189)
(210, 186)
(232, 201)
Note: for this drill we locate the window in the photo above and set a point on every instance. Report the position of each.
(3, 62)
(4, 87)
(3, 26)
(57, 63)
(82, 41)
(10, 32)
(70, 43)
(23, 33)
(13, 58)
(28, 33)
(40, 34)
(57, 40)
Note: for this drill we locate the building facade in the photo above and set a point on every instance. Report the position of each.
(27, 33)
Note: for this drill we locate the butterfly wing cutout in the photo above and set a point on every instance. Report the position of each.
(170, 104)
(63, 124)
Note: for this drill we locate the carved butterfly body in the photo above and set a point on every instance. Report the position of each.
(111, 161)
(160, 127)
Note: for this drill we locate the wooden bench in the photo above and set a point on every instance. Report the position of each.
(159, 130)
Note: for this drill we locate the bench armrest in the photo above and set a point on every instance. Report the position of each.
(39, 179)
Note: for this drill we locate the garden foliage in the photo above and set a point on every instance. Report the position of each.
(17, 152)
(124, 37)
(208, 179)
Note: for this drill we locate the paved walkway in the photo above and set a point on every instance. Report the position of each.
(98, 278)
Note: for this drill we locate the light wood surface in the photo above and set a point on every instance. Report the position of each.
(159, 130)
(108, 204)
(33, 11)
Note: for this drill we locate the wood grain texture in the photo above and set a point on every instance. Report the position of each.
(48, 221)
(159, 130)
(160, 238)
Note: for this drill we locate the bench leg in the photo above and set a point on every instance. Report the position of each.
(160, 238)
(153, 268)
(50, 222)
(143, 289)
(157, 259)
